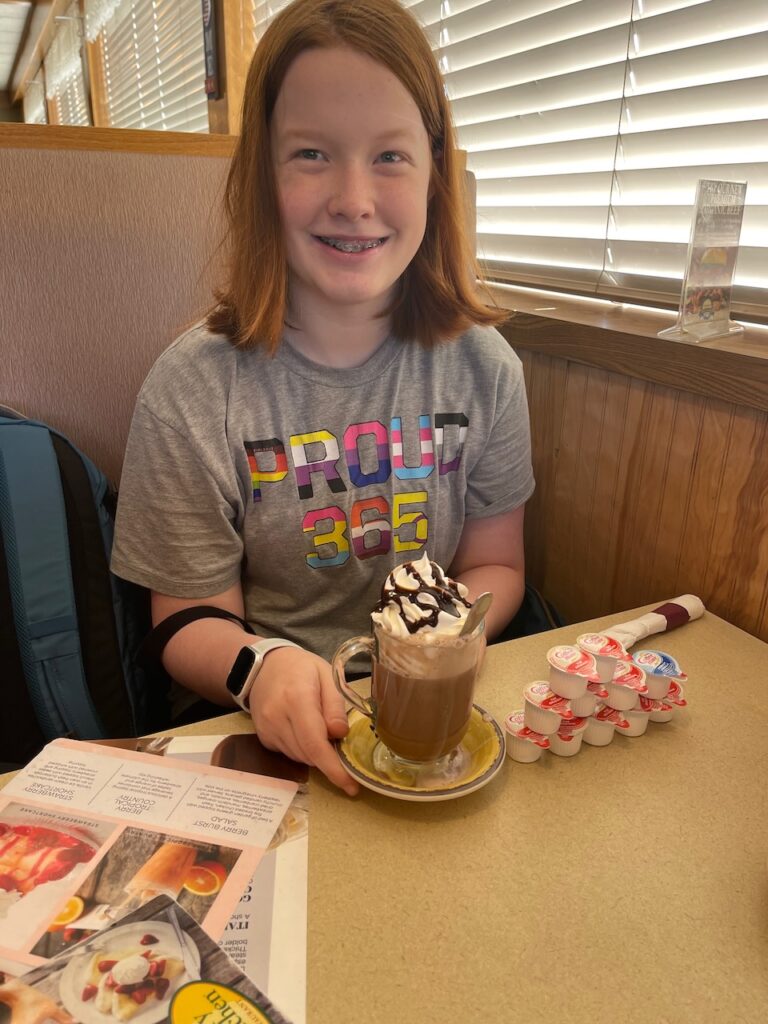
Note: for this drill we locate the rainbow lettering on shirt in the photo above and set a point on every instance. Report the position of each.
(443, 420)
(336, 536)
(369, 455)
(427, 464)
(252, 451)
(326, 464)
(351, 437)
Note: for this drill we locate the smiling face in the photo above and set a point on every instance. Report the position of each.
(352, 164)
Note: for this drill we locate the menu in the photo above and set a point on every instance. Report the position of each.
(154, 965)
(91, 832)
(705, 304)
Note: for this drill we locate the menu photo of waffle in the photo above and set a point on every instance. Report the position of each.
(155, 965)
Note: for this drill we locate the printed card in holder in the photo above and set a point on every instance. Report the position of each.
(705, 300)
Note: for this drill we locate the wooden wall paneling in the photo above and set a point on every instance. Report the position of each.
(622, 408)
(588, 488)
(739, 547)
(751, 541)
(762, 627)
(676, 494)
(695, 548)
(649, 479)
(564, 514)
(545, 381)
(623, 537)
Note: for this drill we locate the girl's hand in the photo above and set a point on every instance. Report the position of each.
(296, 708)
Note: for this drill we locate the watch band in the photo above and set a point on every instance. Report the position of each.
(260, 649)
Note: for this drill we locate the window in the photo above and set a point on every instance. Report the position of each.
(34, 101)
(64, 79)
(588, 124)
(153, 62)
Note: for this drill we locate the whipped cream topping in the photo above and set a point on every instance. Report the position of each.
(131, 970)
(417, 597)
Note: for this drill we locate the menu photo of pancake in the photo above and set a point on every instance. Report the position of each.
(139, 866)
(154, 965)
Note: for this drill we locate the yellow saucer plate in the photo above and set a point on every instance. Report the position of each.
(483, 746)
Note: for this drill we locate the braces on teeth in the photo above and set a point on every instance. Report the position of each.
(351, 246)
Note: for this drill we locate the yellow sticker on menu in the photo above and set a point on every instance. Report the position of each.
(211, 1003)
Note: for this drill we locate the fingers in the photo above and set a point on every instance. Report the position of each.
(310, 726)
(333, 707)
(287, 709)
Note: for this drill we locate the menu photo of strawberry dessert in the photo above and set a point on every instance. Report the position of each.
(42, 856)
(138, 866)
(155, 965)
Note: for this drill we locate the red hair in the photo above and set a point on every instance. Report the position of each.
(438, 296)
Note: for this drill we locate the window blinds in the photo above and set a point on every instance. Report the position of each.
(63, 64)
(154, 66)
(33, 102)
(588, 124)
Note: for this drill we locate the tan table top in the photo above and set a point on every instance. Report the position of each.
(627, 884)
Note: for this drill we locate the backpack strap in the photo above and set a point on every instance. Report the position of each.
(99, 645)
(20, 735)
(39, 573)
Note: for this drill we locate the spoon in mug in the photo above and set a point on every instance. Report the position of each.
(477, 613)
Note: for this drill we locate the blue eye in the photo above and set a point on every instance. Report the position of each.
(390, 157)
(309, 154)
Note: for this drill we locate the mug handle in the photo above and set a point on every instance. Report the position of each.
(349, 649)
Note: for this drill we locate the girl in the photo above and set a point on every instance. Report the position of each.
(346, 406)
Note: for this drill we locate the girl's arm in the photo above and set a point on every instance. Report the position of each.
(294, 704)
(490, 557)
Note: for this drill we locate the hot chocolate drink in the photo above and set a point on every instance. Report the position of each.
(421, 719)
(424, 668)
(424, 672)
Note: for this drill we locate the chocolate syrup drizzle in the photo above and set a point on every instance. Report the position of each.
(445, 592)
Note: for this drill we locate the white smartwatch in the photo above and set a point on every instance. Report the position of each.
(247, 666)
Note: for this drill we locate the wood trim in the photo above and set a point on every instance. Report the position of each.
(126, 140)
(96, 80)
(238, 50)
(34, 58)
(622, 339)
(218, 110)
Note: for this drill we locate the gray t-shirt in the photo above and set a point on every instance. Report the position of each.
(307, 483)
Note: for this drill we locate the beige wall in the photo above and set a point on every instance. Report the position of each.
(104, 257)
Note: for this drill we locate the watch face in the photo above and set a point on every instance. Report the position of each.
(244, 662)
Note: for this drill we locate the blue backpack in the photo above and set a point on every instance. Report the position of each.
(69, 629)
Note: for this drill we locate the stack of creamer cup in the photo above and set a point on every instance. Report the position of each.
(595, 689)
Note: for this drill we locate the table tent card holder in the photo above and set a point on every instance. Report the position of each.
(705, 299)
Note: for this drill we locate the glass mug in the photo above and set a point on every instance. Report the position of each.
(421, 691)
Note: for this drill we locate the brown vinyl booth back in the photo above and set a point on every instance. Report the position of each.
(105, 256)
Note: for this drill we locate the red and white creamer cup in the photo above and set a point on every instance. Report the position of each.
(638, 719)
(567, 740)
(543, 709)
(627, 685)
(570, 670)
(585, 706)
(657, 710)
(523, 744)
(605, 650)
(675, 695)
(602, 726)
